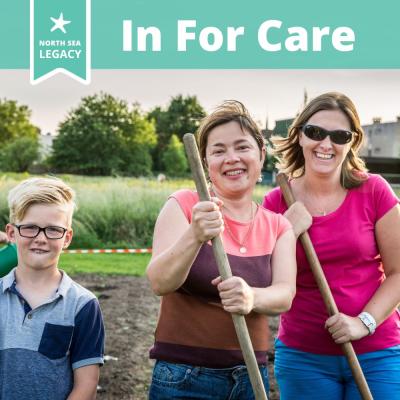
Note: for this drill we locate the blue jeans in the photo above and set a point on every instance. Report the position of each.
(303, 375)
(179, 381)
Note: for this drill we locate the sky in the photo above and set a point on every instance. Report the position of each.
(268, 94)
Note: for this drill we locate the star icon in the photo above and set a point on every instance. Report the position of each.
(59, 23)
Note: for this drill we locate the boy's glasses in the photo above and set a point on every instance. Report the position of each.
(338, 136)
(32, 231)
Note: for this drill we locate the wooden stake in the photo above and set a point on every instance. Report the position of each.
(225, 271)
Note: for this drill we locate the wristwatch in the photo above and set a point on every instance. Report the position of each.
(369, 321)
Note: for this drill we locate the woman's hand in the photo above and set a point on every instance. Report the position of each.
(344, 328)
(207, 221)
(176, 243)
(3, 237)
(236, 295)
(299, 217)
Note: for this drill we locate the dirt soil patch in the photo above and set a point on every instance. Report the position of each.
(130, 312)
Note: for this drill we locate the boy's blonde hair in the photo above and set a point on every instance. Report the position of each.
(51, 191)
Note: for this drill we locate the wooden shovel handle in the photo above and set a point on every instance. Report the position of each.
(225, 271)
(326, 293)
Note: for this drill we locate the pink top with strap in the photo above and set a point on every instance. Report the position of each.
(345, 243)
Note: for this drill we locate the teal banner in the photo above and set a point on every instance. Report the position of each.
(162, 34)
(60, 39)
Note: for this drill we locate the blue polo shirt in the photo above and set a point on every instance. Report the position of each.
(40, 348)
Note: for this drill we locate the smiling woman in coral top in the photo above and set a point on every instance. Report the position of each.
(197, 352)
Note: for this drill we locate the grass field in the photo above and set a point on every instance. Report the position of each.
(105, 264)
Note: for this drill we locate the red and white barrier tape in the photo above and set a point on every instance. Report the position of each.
(102, 251)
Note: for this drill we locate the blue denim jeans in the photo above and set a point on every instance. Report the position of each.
(180, 381)
(308, 376)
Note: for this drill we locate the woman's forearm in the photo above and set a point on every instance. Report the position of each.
(274, 299)
(385, 299)
(168, 270)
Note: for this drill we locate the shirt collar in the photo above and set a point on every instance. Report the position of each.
(8, 280)
(65, 284)
(62, 290)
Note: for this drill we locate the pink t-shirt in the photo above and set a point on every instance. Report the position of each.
(267, 225)
(344, 241)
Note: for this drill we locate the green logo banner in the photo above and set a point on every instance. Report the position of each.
(188, 34)
(60, 39)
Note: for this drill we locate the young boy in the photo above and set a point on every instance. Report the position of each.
(51, 328)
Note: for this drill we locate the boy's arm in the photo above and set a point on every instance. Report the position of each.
(87, 349)
(85, 383)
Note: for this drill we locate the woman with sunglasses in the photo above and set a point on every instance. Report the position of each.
(196, 348)
(354, 223)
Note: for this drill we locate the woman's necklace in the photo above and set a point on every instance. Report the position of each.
(323, 208)
(313, 208)
(242, 247)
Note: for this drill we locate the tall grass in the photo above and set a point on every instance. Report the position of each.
(112, 212)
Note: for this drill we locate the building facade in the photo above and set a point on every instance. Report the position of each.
(382, 139)
(46, 144)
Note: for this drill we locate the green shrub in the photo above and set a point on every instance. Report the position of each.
(19, 155)
(174, 158)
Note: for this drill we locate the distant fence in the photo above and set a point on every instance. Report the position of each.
(107, 251)
(389, 168)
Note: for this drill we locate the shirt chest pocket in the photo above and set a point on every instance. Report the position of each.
(56, 340)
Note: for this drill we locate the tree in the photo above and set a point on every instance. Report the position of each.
(182, 115)
(103, 136)
(174, 158)
(15, 122)
(19, 155)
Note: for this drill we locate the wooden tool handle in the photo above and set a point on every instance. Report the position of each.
(325, 291)
(225, 271)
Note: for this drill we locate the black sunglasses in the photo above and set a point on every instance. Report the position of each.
(338, 136)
